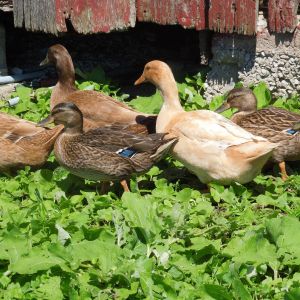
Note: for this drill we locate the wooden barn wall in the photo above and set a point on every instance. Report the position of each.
(89, 16)
(35, 15)
(95, 16)
(282, 15)
(187, 13)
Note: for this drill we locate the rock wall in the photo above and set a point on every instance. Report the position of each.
(273, 58)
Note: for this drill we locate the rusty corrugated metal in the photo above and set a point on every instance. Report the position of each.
(230, 16)
(88, 16)
(187, 13)
(282, 15)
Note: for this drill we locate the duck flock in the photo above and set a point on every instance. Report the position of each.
(99, 138)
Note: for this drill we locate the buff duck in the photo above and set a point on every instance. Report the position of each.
(275, 124)
(209, 145)
(98, 109)
(107, 153)
(23, 143)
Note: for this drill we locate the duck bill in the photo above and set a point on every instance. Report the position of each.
(222, 108)
(140, 80)
(45, 62)
(49, 120)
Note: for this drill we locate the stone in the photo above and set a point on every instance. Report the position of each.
(266, 57)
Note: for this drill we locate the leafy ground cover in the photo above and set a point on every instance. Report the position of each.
(167, 239)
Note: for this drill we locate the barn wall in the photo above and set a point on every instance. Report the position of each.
(94, 15)
(35, 16)
(91, 16)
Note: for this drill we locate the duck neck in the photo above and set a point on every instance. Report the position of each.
(74, 130)
(169, 93)
(171, 105)
(66, 73)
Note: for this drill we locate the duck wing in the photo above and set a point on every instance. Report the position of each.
(116, 137)
(14, 126)
(272, 123)
(207, 126)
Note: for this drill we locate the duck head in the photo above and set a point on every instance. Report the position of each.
(55, 55)
(243, 99)
(67, 114)
(59, 56)
(158, 73)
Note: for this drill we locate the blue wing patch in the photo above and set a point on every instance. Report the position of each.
(291, 131)
(126, 152)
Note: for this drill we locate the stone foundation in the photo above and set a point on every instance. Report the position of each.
(272, 58)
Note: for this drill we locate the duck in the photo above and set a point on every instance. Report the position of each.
(97, 108)
(108, 153)
(23, 143)
(212, 147)
(275, 124)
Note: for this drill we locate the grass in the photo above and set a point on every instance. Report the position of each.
(167, 239)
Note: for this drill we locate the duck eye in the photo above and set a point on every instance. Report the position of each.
(147, 68)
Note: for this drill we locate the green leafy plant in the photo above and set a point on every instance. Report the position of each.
(167, 239)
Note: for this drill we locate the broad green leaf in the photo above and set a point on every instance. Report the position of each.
(105, 254)
(251, 248)
(293, 294)
(141, 214)
(37, 260)
(50, 289)
(13, 246)
(262, 94)
(150, 105)
(216, 292)
(240, 290)
(285, 233)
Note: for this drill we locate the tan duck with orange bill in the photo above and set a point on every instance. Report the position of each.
(23, 143)
(98, 109)
(209, 145)
(275, 124)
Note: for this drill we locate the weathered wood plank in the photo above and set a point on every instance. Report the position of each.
(35, 15)
(282, 15)
(187, 13)
(230, 16)
(221, 16)
(88, 16)
(246, 16)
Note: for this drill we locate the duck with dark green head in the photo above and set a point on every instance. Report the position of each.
(275, 124)
(107, 153)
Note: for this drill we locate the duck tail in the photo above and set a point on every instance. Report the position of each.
(163, 149)
(262, 149)
(256, 153)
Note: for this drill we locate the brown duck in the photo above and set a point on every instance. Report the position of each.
(97, 109)
(23, 143)
(107, 153)
(275, 124)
